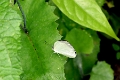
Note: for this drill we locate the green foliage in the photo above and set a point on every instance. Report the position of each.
(118, 55)
(37, 44)
(83, 63)
(29, 56)
(102, 71)
(116, 47)
(10, 67)
(88, 61)
(86, 13)
(100, 2)
(79, 38)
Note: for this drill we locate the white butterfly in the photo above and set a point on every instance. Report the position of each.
(64, 48)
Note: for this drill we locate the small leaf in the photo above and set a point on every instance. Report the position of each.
(118, 55)
(80, 40)
(102, 71)
(116, 47)
(86, 13)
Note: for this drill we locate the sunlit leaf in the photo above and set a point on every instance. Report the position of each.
(86, 13)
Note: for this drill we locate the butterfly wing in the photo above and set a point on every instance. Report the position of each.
(64, 48)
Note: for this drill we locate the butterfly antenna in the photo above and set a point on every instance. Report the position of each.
(23, 15)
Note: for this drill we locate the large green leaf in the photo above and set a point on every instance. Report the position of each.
(86, 13)
(10, 67)
(102, 71)
(38, 60)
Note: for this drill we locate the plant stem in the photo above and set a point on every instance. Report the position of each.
(23, 15)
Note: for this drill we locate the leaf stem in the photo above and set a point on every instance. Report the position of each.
(23, 15)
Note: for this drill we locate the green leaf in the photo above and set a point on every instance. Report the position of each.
(76, 68)
(72, 70)
(118, 55)
(86, 13)
(80, 40)
(88, 61)
(10, 67)
(116, 47)
(102, 71)
(100, 2)
(38, 60)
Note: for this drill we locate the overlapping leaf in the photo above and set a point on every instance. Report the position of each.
(37, 57)
(86, 13)
(102, 71)
(10, 68)
(81, 41)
